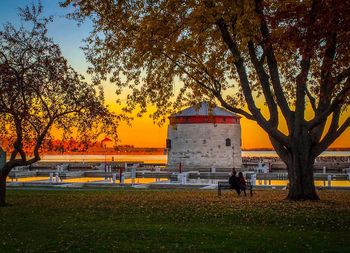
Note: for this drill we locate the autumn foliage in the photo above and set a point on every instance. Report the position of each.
(39, 90)
(290, 55)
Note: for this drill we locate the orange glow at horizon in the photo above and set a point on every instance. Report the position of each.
(143, 133)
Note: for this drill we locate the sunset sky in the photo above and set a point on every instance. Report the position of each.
(143, 132)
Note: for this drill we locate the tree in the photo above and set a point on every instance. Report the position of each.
(291, 55)
(39, 91)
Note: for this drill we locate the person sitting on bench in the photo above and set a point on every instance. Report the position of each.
(242, 183)
(234, 182)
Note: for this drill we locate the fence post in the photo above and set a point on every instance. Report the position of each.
(329, 180)
(121, 178)
(253, 179)
(133, 175)
(57, 177)
(184, 178)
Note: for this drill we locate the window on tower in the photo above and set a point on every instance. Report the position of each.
(168, 143)
(228, 142)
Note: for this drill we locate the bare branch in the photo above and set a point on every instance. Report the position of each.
(326, 83)
(341, 76)
(39, 94)
(233, 109)
(239, 63)
(273, 67)
(265, 84)
(338, 100)
(333, 133)
(300, 95)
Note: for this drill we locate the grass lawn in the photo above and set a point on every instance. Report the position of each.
(172, 221)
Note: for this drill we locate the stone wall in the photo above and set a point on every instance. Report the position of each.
(204, 146)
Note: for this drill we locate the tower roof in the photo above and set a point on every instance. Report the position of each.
(106, 139)
(203, 109)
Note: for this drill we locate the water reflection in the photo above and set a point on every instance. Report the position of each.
(196, 181)
(335, 183)
(90, 180)
(27, 179)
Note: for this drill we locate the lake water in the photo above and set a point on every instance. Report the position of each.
(105, 158)
(158, 158)
(101, 180)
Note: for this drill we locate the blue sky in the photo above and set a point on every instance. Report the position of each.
(65, 32)
(69, 36)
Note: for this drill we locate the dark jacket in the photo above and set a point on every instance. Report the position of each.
(234, 182)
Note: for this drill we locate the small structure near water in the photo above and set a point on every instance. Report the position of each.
(204, 137)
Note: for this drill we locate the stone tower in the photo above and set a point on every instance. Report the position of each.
(203, 137)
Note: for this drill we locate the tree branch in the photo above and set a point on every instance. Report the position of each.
(341, 76)
(216, 93)
(300, 95)
(273, 67)
(203, 68)
(233, 109)
(264, 81)
(18, 145)
(338, 100)
(311, 99)
(189, 74)
(333, 133)
(326, 83)
(38, 93)
(40, 141)
(239, 64)
(280, 149)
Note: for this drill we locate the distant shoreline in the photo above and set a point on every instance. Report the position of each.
(271, 149)
(162, 151)
(162, 156)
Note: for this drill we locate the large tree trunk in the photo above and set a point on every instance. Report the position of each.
(300, 174)
(2, 190)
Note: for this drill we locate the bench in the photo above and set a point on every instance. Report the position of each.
(225, 185)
